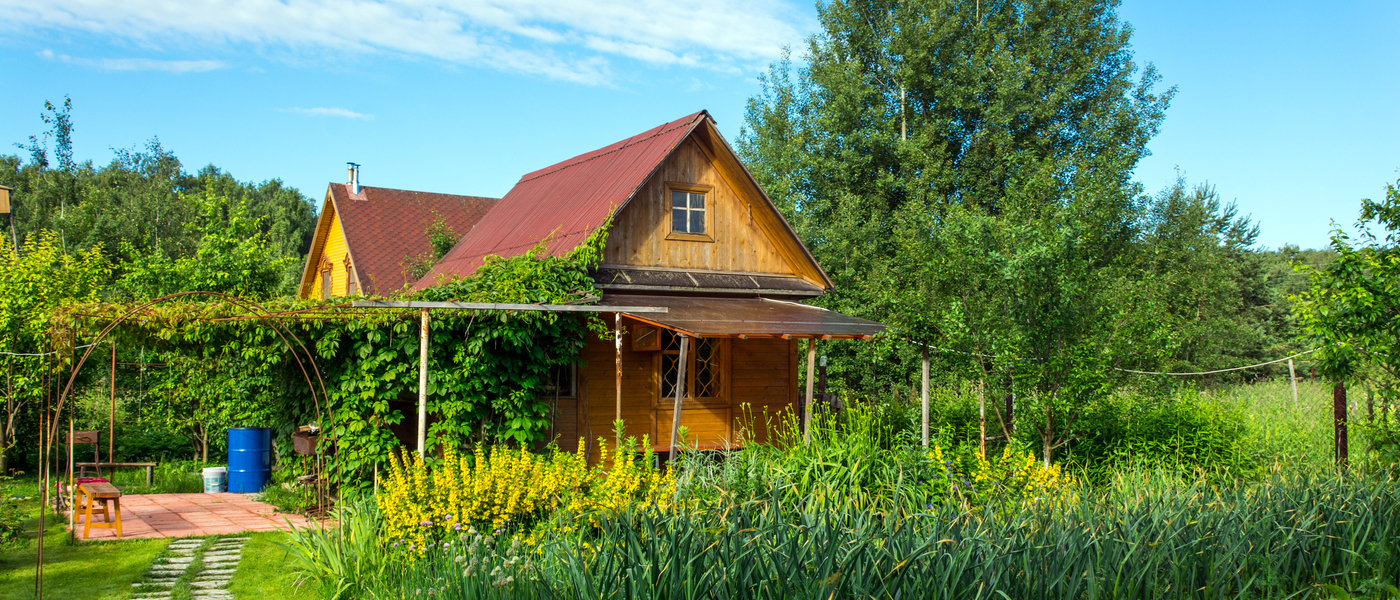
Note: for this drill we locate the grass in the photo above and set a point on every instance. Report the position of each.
(265, 570)
(1292, 435)
(105, 570)
(180, 477)
(97, 570)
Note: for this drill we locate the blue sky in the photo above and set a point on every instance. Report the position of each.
(1290, 109)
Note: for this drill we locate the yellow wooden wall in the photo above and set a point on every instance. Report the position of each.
(759, 386)
(639, 235)
(336, 251)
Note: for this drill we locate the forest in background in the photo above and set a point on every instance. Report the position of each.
(988, 213)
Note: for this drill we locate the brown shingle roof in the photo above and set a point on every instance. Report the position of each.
(563, 203)
(386, 228)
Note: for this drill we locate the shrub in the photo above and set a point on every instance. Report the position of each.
(513, 488)
(1010, 479)
(1185, 431)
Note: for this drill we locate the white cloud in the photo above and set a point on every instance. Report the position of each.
(137, 64)
(322, 111)
(570, 40)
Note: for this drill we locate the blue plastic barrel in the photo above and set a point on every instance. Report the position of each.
(249, 459)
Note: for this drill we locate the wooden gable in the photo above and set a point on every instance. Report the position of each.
(744, 232)
(329, 253)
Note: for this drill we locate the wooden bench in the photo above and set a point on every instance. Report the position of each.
(150, 468)
(101, 493)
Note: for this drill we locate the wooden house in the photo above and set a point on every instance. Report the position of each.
(692, 232)
(369, 239)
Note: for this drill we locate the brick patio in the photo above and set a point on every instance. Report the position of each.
(192, 515)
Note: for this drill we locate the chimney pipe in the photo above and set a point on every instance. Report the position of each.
(354, 177)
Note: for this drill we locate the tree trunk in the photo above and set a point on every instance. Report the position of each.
(1339, 418)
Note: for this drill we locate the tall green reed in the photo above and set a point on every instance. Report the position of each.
(1144, 535)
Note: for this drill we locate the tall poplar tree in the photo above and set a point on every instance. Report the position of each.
(962, 169)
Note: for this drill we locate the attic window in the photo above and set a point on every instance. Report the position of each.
(326, 281)
(690, 211)
(350, 289)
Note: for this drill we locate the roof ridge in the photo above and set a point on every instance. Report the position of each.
(617, 149)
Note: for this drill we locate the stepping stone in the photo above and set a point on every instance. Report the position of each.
(211, 595)
(209, 584)
(156, 583)
(223, 553)
(218, 572)
(161, 596)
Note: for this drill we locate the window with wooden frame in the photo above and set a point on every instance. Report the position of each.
(704, 371)
(645, 338)
(350, 288)
(326, 280)
(691, 212)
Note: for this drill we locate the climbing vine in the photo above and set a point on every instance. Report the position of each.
(488, 371)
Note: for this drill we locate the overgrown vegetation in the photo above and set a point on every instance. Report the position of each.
(854, 516)
(962, 169)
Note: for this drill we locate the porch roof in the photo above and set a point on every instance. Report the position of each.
(743, 317)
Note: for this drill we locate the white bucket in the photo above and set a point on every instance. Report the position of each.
(215, 479)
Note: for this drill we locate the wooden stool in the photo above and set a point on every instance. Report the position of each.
(101, 493)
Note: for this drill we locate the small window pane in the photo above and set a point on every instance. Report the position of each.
(697, 221)
(670, 367)
(678, 219)
(677, 199)
(697, 201)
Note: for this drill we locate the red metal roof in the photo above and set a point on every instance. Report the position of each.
(564, 202)
(386, 228)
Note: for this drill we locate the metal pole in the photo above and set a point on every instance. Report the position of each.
(811, 376)
(680, 394)
(43, 500)
(72, 498)
(924, 396)
(423, 385)
(1293, 377)
(112, 418)
(617, 341)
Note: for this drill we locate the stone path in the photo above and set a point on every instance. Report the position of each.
(217, 563)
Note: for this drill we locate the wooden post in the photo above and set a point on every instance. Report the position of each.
(617, 335)
(680, 395)
(1293, 377)
(811, 376)
(924, 396)
(112, 418)
(423, 385)
(1339, 419)
(982, 418)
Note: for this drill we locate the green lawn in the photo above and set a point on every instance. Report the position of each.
(106, 570)
(96, 570)
(264, 571)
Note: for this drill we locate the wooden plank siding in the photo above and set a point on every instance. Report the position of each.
(641, 234)
(335, 251)
(759, 383)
